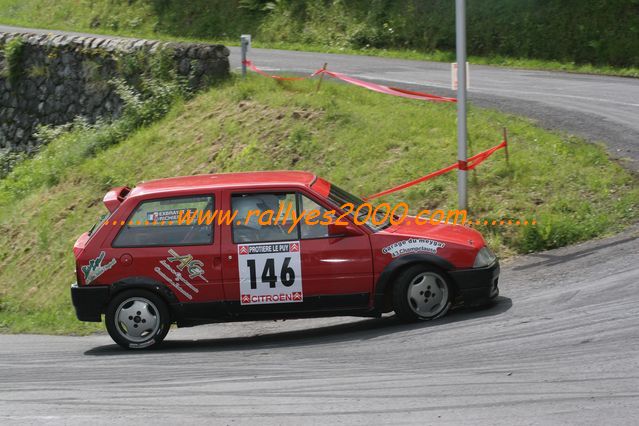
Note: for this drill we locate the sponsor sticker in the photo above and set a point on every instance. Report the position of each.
(166, 215)
(270, 273)
(413, 245)
(95, 268)
(194, 267)
(174, 268)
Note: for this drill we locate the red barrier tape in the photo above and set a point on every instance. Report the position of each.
(395, 91)
(277, 77)
(469, 164)
(387, 90)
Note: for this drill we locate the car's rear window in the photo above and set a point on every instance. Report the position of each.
(155, 223)
(99, 223)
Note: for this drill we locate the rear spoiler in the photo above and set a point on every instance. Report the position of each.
(115, 196)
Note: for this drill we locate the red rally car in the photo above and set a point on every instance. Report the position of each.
(144, 271)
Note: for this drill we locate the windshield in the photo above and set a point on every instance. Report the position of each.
(377, 222)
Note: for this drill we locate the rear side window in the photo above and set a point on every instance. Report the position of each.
(155, 223)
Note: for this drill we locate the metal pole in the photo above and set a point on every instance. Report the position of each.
(506, 140)
(245, 41)
(460, 24)
(319, 83)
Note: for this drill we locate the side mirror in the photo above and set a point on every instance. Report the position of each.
(341, 230)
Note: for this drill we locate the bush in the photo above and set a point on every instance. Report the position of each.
(13, 58)
(559, 231)
(8, 160)
(598, 32)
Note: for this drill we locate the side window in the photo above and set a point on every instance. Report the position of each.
(155, 223)
(314, 228)
(263, 217)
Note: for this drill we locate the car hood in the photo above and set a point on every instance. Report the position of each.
(444, 232)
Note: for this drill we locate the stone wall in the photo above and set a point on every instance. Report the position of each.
(60, 77)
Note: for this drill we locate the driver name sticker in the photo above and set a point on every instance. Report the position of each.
(270, 273)
(168, 215)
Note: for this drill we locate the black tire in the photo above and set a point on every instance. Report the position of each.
(141, 311)
(433, 286)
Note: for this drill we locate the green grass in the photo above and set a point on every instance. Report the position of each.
(141, 19)
(361, 140)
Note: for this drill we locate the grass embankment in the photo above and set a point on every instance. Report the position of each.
(595, 38)
(361, 140)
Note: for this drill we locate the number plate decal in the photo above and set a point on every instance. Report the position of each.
(270, 273)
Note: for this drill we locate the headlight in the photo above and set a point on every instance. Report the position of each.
(485, 257)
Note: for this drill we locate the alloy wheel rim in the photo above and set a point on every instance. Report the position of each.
(427, 294)
(137, 319)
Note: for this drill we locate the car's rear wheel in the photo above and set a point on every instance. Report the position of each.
(137, 319)
(421, 293)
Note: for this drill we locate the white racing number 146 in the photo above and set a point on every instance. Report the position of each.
(270, 273)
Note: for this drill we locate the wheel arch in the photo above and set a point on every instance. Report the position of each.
(145, 283)
(386, 280)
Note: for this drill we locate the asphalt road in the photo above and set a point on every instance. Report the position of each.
(598, 108)
(561, 345)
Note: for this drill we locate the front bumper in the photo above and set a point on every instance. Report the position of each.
(89, 302)
(476, 286)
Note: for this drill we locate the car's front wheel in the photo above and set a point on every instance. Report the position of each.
(421, 293)
(137, 319)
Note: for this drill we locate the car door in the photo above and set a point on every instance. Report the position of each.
(269, 266)
(185, 257)
(337, 268)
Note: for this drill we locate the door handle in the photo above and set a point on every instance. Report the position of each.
(217, 261)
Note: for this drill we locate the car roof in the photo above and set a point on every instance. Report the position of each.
(224, 180)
